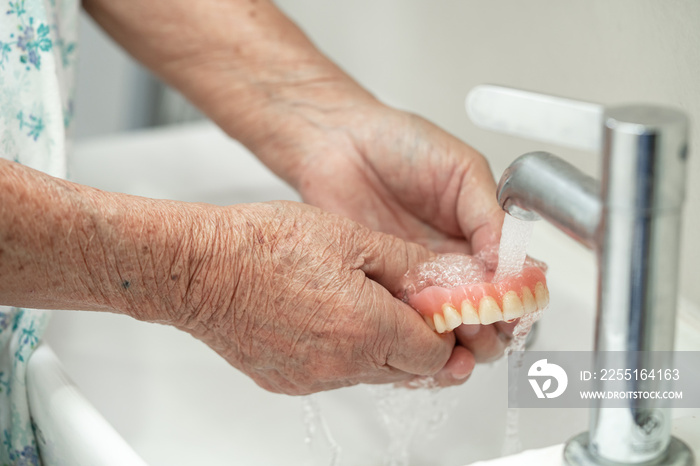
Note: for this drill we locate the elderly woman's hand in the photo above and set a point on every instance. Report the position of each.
(301, 301)
(397, 173)
(254, 73)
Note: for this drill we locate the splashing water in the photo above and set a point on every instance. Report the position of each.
(316, 427)
(511, 441)
(408, 413)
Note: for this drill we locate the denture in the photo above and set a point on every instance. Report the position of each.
(455, 289)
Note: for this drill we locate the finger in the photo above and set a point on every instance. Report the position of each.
(396, 377)
(446, 245)
(486, 345)
(457, 369)
(479, 215)
(387, 259)
(275, 381)
(507, 328)
(411, 346)
(469, 330)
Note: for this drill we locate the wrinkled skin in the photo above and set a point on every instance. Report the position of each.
(311, 309)
(300, 299)
(400, 174)
(255, 74)
(403, 175)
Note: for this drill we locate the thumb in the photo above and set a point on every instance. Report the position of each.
(416, 348)
(387, 259)
(478, 213)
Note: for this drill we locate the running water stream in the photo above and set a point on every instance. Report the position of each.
(515, 238)
(512, 251)
(318, 434)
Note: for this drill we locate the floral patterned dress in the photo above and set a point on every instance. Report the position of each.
(37, 67)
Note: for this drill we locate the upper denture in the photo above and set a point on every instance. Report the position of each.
(484, 302)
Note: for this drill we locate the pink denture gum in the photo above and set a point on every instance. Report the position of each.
(455, 289)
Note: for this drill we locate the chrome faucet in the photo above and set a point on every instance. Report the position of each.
(631, 219)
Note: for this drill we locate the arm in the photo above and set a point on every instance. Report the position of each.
(242, 62)
(282, 291)
(67, 246)
(258, 77)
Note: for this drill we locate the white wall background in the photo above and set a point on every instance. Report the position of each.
(424, 56)
(114, 93)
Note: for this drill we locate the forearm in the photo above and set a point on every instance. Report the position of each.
(242, 62)
(276, 288)
(67, 246)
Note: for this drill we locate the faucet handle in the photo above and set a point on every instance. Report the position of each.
(565, 122)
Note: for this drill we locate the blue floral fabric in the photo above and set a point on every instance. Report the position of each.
(37, 66)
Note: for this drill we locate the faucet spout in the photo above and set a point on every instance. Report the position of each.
(631, 219)
(539, 184)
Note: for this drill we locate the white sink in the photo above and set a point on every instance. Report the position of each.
(685, 428)
(177, 403)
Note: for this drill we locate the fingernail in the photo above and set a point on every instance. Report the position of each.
(504, 337)
(460, 375)
(468, 330)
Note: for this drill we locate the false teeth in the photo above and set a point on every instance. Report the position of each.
(439, 321)
(529, 304)
(469, 314)
(452, 317)
(541, 295)
(489, 312)
(512, 306)
(508, 307)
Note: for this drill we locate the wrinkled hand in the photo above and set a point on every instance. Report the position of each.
(407, 177)
(303, 303)
(398, 173)
(299, 299)
(266, 85)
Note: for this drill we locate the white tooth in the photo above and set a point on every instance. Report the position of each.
(489, 312)
(512, 306)
(541, 295)
(529, 301)
(440, 326)
(430, 323)
(452, 317)
(469, 315)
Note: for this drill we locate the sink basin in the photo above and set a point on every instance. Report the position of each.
(686, 428)
(177, 403)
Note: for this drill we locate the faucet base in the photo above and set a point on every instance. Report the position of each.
(577, 453)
